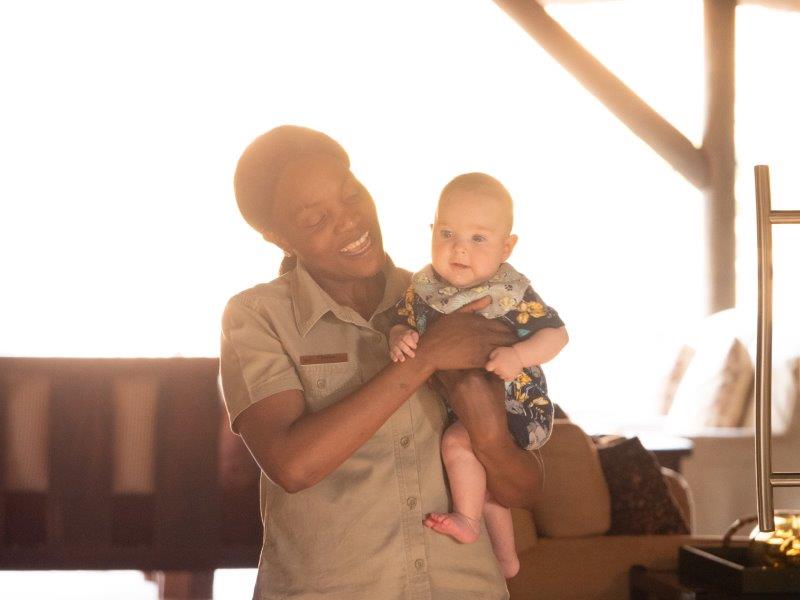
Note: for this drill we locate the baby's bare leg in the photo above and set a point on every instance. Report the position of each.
(501, 532)
(467, 484)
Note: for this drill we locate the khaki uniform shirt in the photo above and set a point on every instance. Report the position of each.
(358, 533)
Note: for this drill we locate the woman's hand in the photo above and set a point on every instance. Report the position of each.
(463, 340)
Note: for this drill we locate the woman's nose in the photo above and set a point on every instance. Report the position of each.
(347, 219)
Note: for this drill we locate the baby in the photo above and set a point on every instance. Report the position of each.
(471, 242)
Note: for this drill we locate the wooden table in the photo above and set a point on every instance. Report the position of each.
(646, 584)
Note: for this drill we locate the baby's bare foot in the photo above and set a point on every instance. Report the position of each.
(459, 527)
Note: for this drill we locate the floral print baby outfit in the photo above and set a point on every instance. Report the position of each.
(528, 407)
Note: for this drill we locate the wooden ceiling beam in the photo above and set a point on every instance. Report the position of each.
(634, 112)
(720, 151)
(777, 4)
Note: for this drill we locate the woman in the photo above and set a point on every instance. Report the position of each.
(347, 441)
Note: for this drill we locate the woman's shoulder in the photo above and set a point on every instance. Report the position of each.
(397, 278)
(262, 294)
(403, 275)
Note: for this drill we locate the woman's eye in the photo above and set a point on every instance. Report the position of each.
(312, 220)
(478, 238)
(445, 233)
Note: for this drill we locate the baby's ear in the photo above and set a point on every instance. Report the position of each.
(508, 246)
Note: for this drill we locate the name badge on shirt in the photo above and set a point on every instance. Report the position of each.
(323, 359)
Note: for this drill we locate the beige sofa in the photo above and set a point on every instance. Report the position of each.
(563, 551)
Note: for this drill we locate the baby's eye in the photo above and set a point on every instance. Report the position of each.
(478, 238)
(445, 233)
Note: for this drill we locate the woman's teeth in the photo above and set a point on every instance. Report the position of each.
(362, 244)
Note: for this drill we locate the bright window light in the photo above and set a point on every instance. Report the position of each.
(122, 124)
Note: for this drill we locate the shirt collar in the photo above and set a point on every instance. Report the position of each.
(310, 302)
(506, 288)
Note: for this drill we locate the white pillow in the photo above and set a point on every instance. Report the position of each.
(715, 388)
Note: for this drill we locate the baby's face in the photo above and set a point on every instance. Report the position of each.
(470, 238)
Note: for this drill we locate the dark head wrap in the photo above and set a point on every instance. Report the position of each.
(263, 161)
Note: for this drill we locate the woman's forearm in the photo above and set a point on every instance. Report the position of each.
(297, 448)
(323, 440)
(513, 476)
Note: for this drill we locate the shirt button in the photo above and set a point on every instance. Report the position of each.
(419, 564)
(321, 384)
(412, 502)
(405, 441)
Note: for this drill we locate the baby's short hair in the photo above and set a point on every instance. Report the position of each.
(483, 183)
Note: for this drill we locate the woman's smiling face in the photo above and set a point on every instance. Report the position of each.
(327, 219)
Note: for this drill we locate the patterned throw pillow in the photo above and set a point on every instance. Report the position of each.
(641, 502)
(672, 380)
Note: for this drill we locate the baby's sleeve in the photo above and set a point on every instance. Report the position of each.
(403, 313)
(253, 361)
(533, 314)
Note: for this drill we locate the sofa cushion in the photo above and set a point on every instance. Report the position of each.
(641, 502)
(524, 529)
(594, 567)
(574, 501)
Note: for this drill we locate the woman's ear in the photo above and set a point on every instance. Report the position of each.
(280, 242)
(508, 246)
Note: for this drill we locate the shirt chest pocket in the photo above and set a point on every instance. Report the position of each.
(324, 384)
